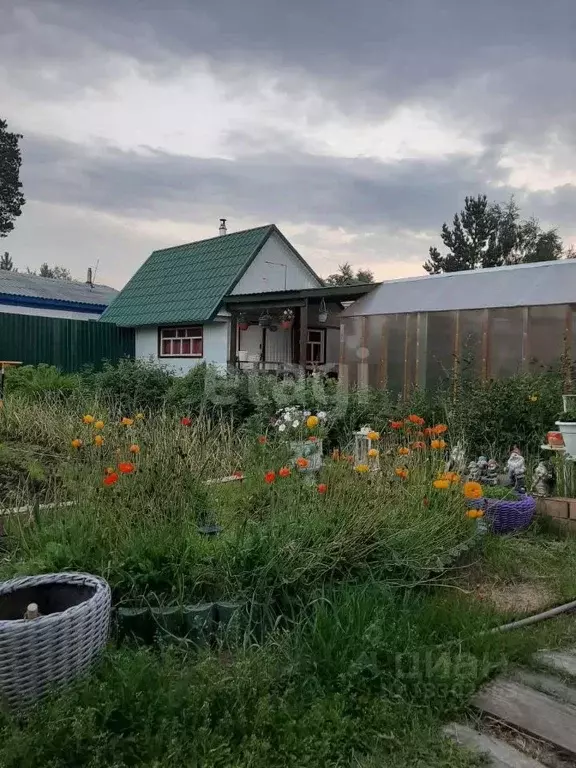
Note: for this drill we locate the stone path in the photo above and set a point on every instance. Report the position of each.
(541, 705)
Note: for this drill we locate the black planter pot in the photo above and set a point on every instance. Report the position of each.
(199, 623)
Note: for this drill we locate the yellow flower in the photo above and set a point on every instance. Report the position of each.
(373, 435)
(99, 440)
(312, 421)
(439, 445)
(87, 419)
(404, 451)
(127, 422)
(139, 416)
(473, 514)
(99, 424)
(533, 398)
(441, 484)
(362, 468)
(373, 453)
(77, 443)
(472, 490)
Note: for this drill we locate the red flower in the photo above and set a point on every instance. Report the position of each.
(396, 424)
(186, 422)
(126, 467)
(269, 477)
(284, 472)
(428, 431)
(111, 478)
(238, 474)
(312, 439)
(413, 419)
(418, 444)
(322, 488)
(262, 440)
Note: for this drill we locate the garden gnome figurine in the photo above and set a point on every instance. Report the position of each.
(517, 470)
(457, 460)
(482, 466)
(542, 480)
(474, 471)
(492, 473)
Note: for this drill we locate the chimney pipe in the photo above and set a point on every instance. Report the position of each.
(89, 277)
(222, 230)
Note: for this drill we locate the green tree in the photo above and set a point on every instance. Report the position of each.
(11, 197)
(56, 272)
(487, 234)
(346, 276)
(6, 262)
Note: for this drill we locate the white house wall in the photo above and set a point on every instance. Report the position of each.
(261, 277)
(14, 309)
(215, 348)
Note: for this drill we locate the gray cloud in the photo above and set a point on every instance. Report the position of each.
(417, 195)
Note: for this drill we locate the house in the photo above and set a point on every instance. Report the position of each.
(23, 294)
(222, 301)
(487, 323)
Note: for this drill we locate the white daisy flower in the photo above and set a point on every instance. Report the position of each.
(307, 413)
(295, 424)
(321, 414)
(282, 428)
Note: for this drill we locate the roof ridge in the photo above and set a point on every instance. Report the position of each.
(215, 237)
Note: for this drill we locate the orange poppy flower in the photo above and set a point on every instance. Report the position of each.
(373, 453)
(472, 490)
(438, 445)
(88, 419)
(473, 514)
(441, 484)
(418, 445)
(111, 478)
(401, 472)
(134, 448)
(302, 462)
(322, 488)
(98, 440)
(373, 435)
(99, 424)
(413, 419)
(126, 467)
(127, 422)
(284, 472)
(402, 451)
(439, 429)
(396, 424)
(269, 477)
(77, 443)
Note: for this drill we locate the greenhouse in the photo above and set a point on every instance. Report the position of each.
(488, 323)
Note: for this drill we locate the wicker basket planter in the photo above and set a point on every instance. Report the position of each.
(46, 652)
(507, 516)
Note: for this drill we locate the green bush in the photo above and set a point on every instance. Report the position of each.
(40, 381)
(133, 385)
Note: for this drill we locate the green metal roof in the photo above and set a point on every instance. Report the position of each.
(186, 284)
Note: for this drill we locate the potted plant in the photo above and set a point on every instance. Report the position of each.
(567, 426)
(243, 323)
(265, 320)
(287, 319)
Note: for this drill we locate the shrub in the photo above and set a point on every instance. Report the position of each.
(133, 385)
(40, 381)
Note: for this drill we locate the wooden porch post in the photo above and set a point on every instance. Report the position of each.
(233, 339)
(303, 334)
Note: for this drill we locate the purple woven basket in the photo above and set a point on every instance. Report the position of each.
(507, 516)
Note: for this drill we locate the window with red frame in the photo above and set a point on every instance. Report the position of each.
(187, 341)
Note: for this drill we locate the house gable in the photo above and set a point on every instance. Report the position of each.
(276, 267)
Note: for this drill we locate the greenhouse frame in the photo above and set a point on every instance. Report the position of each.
(488, 323)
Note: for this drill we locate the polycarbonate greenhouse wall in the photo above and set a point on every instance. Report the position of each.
(68, 344)
(400, 351)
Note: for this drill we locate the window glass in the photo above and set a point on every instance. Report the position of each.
(506, 331)
(546, 337)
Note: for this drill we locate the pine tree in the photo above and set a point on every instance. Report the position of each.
(6, 262)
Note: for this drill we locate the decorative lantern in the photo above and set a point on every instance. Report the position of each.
(265, 320)
(366, 453)
(322, 312)
(243, 323)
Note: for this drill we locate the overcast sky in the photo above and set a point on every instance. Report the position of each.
(356, 127)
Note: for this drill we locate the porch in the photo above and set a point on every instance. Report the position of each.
(289, 331)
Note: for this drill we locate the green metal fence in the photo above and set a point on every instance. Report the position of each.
(68, 344)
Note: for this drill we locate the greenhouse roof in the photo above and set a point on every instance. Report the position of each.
(523, 285)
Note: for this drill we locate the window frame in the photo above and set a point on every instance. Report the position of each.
(321, 343)
(192, 333)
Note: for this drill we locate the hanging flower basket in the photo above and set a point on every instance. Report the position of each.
(46, 652)
(287, 319)
(242, 322)
(323, 312)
